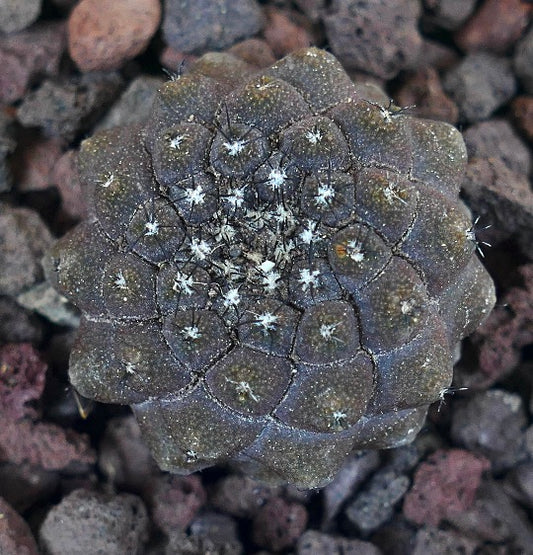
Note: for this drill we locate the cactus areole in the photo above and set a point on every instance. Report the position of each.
(275, 270)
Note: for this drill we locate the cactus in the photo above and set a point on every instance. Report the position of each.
(275, 271)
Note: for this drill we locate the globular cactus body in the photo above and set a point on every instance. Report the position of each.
(276, 269)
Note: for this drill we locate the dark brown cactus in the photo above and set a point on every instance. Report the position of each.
(276, 269)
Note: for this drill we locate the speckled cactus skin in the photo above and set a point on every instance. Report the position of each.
(276, 269)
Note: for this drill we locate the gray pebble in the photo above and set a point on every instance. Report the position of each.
(16, 15)
(479, 85)
(191, 26)
(375, 505)
(492, 423)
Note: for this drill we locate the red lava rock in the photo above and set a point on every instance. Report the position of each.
(504, 199)
(312, 542)
(279, 524)
(24, 239)
(90, 522)
(256, 52)
(377, 36)
(282, 35)
(64, 175)
(16, 15)
(496, 138)
(43, 444)
(103, 34)
(444, 485)
(209, 24)
(241, 496)
(68, 106)
(34, 160)
(175, 500)
(15, 535)
(480, 84)
(124, 457)
(448, 14)
(495, 26)
(27, 55)
(522, 112)
(493, 424)
(22, 378)
(507, 330)
(423, 90)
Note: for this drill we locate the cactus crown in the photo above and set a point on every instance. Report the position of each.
(275, 271)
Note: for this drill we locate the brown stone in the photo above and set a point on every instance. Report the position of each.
(65, 177)
(423, 90)
(496, 26)
(35, 158)
(103, 34)
(255, 52)
(522, 111)
(282, 34)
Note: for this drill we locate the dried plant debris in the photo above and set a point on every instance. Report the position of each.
(275, 270)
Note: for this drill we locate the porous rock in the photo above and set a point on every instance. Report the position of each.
(312, 542)
(377, 36)
(375, 504)
(480, 84)
(496, 138)
(25, 238)
(432, 540)
(193, 25)
(67, 107)
(492, 423)
(21, 380)
(444, 485)
(89, 522)
(505, 200)
(278, 524)
(506, 332)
